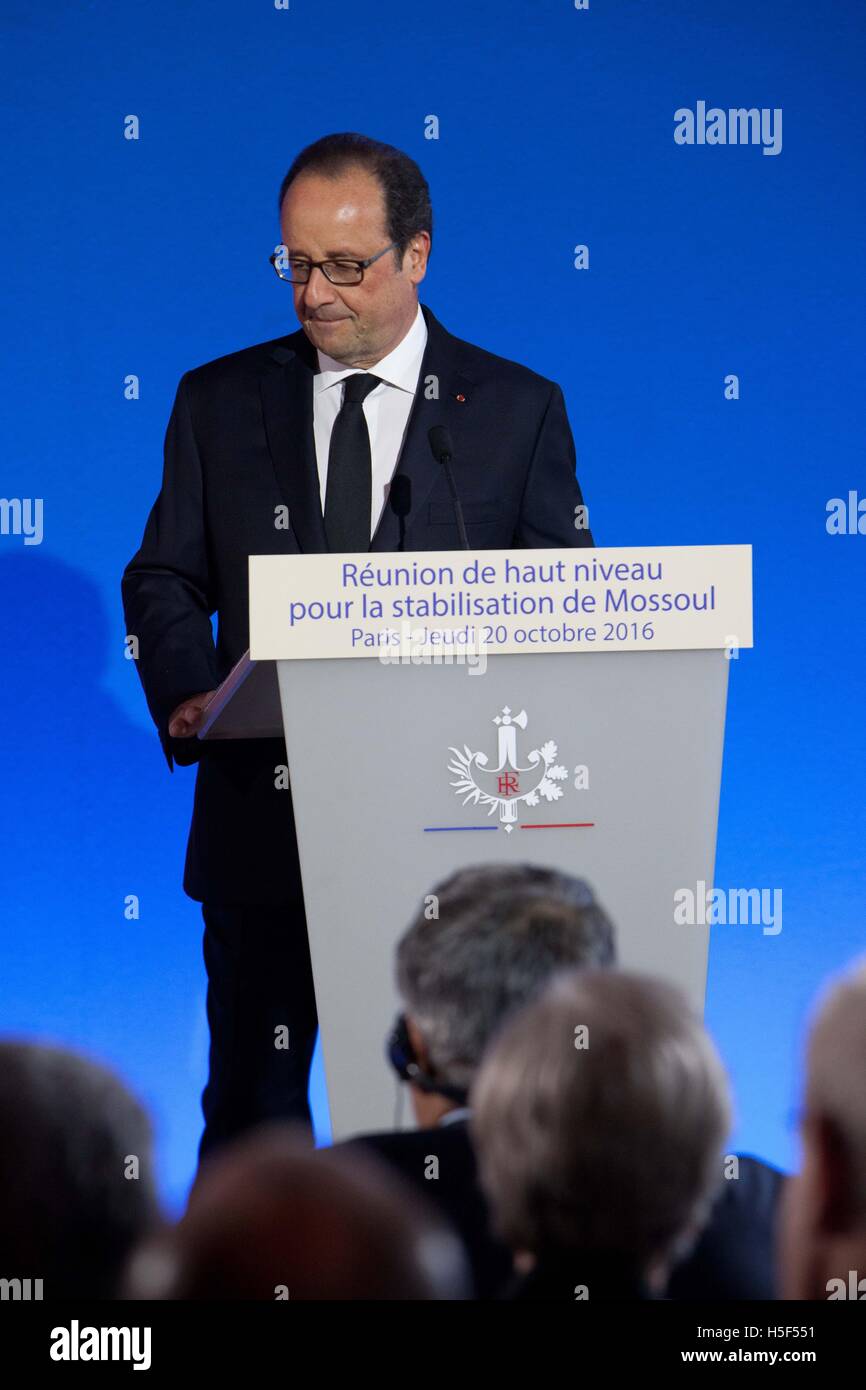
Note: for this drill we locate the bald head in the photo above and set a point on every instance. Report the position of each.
(836, 1074)
(823, 1227)
(271, 1219)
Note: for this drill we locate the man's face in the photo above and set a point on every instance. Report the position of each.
(325, 219)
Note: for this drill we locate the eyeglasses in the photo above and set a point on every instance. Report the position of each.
(295, 270)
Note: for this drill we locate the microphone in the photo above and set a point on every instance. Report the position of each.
(443, 452)
(400, 502)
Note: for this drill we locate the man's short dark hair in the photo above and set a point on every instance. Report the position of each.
(500, 932)
(404, 187)
(70, 1208)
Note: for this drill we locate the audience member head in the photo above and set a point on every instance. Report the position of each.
(483, 943)
(271, 1219)
(822, 1246)
(76, 1172)
(599, 1118)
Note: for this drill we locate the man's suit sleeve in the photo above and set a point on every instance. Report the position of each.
(552, 495)
(166, 587)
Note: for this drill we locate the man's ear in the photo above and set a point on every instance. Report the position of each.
(419, 1047)
(415, 257)
(835, 1179)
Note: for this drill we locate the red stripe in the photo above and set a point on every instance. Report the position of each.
(562, 825)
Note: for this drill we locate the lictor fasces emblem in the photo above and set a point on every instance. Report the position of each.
(509, 782)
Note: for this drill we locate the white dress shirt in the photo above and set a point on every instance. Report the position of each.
(386, 410)
(453, 1117)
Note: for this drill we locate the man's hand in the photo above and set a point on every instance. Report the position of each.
(187, 718)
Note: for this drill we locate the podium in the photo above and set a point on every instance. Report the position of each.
(412, 754)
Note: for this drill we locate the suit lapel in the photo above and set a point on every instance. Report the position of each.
(451, 396)
(287, 404)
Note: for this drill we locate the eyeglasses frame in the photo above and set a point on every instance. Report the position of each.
(320, 265)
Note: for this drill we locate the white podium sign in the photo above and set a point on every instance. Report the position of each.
(502, 602)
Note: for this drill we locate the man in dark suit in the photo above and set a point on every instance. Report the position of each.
(292, 447)
(501, 932)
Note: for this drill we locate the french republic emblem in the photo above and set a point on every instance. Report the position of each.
(509, 783)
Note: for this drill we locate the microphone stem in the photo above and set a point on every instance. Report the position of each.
(458, 510)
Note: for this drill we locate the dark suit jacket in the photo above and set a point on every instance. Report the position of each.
(733, 1259)
(455, 1192)
(735, 1256)
(556, 1278)
(240, 446)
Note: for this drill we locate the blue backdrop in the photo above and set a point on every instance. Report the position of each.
(555, 129)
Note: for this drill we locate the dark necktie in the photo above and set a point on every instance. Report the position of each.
(349, 490)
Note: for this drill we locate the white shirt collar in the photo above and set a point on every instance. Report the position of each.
(400, 367)
(452, 1117)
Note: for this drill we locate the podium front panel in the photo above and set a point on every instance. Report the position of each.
(605, 765)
